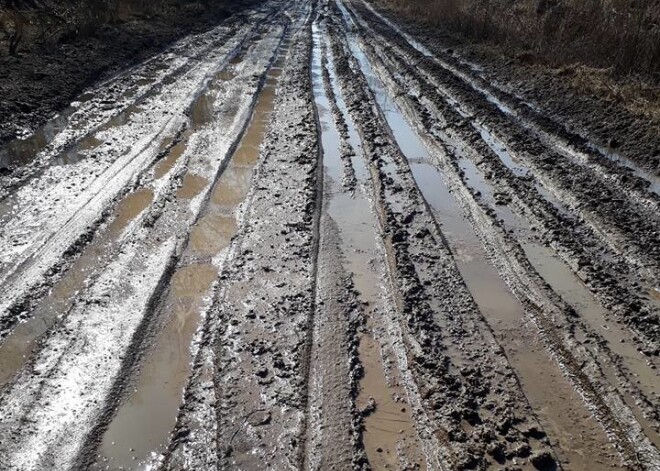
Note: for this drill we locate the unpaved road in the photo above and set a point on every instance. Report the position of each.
(311, 242)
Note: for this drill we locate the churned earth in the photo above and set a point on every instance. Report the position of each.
(307, 239)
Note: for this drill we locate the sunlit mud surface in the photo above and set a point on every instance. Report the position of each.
(305, 239)
(493, 297)
(16, 349)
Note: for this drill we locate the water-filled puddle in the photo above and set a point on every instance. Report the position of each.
(120, 119)
(164, 166)
(129, 208)
(212, 233)
(191, 186)
(202, 110)
(136, 430)
(234, 183)
(78, 152)
(614, 156)
(655, 293)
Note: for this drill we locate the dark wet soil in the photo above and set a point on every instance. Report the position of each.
(38, 83)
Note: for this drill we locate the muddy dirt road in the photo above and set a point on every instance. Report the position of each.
(311, 242)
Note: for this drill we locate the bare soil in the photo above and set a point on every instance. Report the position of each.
(312, 238)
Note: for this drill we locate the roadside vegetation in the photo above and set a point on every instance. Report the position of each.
(607, 47)
(29, 24)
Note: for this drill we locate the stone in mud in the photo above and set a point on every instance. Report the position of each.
(259, 418)
(181, 434)
(498, 451)
(535, 432)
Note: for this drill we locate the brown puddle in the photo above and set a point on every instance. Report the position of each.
(201, 112)
(78, 152)
(140, 430)
(18, 346)
(390, 428)
(129, 208)
(136, 429)
(561, 410)
(165, 165)
(212, 233)
(234, 183)
(192, 186)
(572, 290)
(237, 59)
(389, 434)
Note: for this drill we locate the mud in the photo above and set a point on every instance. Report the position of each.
(311, 239)
(80, 63)
(140, 430)
(16, 349)
(638, 366)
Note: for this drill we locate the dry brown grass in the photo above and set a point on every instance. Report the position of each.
(636, 93)
(606, 48)
(621, 35)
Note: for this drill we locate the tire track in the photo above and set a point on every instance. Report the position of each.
(122, 335)
(628, 433)
(619, 341)
(430, 332)
(62, 210)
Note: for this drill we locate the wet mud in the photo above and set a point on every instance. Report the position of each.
(312, 238)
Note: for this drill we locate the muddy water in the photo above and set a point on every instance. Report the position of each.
(141, 428)
(389, 435)
(559, 407)
(17, 348)
(162, 376)
(164, 166)
(212, 234)
(21, 152)
(19, 345)
(84, 148)
(613, 155)
(191, 186)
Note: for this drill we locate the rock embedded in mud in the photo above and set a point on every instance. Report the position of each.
(259, 418)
